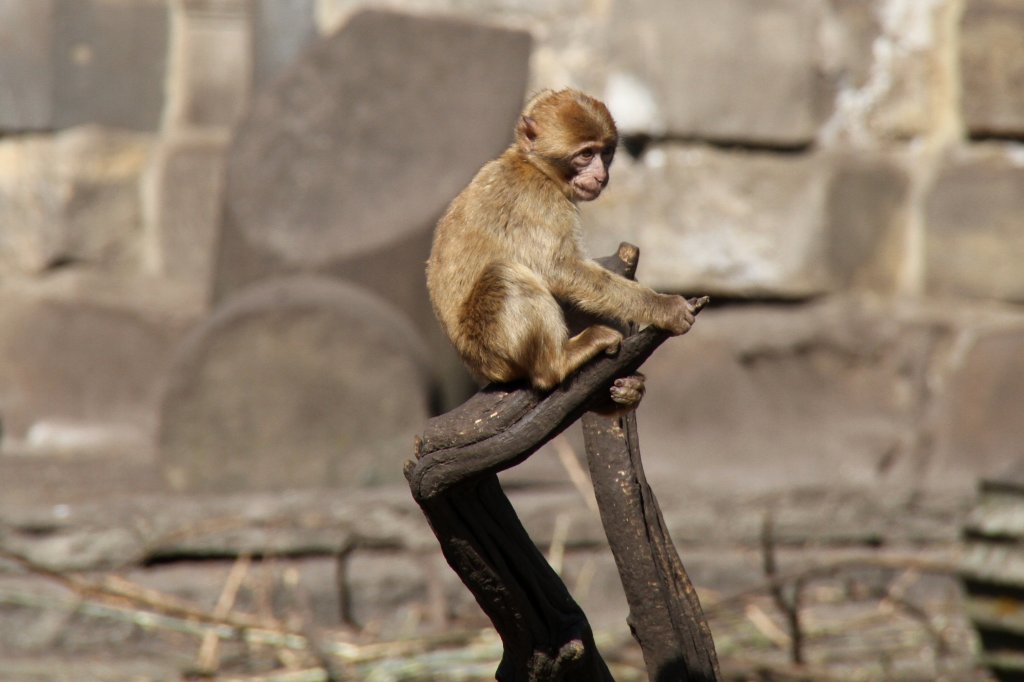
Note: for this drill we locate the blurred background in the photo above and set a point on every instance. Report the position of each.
(216, 347)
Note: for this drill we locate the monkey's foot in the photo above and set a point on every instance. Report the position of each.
(609, 338)
(628, 391)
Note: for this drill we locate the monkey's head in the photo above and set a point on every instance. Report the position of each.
(572, 138)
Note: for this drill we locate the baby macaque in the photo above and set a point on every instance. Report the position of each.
(508, 250)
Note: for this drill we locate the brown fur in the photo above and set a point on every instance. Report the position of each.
(508, 249)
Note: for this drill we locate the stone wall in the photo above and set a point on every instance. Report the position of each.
(846, 177)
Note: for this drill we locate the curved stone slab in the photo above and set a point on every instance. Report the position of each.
(295, 382)
(369, 135)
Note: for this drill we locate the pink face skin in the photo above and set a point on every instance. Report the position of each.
(591, 176)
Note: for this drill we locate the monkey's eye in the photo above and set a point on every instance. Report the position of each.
(583, 158)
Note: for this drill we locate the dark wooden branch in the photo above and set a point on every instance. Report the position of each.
(665, 615)
(545, 634)
(501, 426)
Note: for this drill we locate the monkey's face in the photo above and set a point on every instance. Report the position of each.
(572, 138)
(589, 171)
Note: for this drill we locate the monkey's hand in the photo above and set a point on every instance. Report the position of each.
(678, 315)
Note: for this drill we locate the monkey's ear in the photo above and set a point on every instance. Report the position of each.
(526, 131)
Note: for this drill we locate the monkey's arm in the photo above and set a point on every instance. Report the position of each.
(600, 292)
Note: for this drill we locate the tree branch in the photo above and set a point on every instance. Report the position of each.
(501, 426)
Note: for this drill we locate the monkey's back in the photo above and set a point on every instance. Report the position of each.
(504, 216)
(462, 247)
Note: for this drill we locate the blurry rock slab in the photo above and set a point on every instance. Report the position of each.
(366, 138)
(80, 376)
(974, 244)
(851, 28)
(213, 77)
(185, 187)
(979, 430)
(281, 30)
(906, 82)
(855, 392)
(71, 197)
(992, 67)
(110, 62)
(26, 76)
(296, 382)
(100, 524)
(69, 62)
(759, 398)
(737, 70)
(753, 224)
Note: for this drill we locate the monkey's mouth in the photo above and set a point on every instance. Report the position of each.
(589, 191)
(588, 188)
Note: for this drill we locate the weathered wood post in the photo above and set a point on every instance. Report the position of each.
(665, 614)
(545, 634)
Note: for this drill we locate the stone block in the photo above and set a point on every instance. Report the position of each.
(974, 244)
(849, 31)
(992, 67)
(110, 62)
(733, 71)
(752, 224)
(910, 89)
(71, 197)
(978, 425)
(295, 382)
(761, 398)
(345, 163)
(26, 66)
(80, 376)
(213, 74)
(185, 197)
(281, 30)
(865, 223)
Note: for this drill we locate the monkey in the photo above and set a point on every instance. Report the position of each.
(508, 250)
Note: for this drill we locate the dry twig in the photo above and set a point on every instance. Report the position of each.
(789, 607)
(571, 463)
(208, 650)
